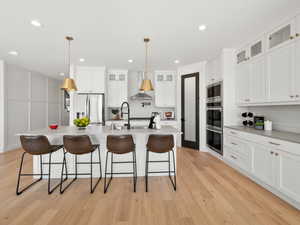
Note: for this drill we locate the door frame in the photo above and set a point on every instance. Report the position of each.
(190, 144)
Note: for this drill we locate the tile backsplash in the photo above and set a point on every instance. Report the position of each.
(285, 118)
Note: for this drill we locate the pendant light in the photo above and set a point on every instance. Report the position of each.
(69, 83)
(146, 84)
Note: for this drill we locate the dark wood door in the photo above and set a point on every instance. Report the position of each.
(190, 110)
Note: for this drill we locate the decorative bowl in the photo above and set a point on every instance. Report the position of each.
(81, 123)
(53, 126)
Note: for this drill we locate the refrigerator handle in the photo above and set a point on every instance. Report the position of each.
(89, 109)
(86, 106)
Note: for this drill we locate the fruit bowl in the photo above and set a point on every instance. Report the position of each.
(81, 123)
(53, 126)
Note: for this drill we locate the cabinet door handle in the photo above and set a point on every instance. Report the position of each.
(233, 143)
(297, 96)
(233, 157)
(272, 152)
(276, 154)
(273, 143)
(292, 96)
(291, 37)
(297, 35)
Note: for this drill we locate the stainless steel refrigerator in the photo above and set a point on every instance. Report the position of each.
(93, 106)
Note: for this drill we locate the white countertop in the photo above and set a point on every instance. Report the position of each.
(99, 130)
(280, 135)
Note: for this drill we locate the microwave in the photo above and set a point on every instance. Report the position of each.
(214, 92)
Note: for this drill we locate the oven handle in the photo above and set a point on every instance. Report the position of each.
(212, 108)
(216, 131)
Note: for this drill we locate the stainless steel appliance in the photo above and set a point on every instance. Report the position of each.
(214, 118)
(214, 92)
(93, 106)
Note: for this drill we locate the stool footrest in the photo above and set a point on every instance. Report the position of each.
(162, 172)
(122, 162)
(121, 173)
(158, 161)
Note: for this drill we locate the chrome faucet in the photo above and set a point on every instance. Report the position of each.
(128, 113)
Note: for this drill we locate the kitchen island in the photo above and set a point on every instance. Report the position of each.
(98, 135)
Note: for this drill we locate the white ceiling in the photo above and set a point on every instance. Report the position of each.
(111, 32)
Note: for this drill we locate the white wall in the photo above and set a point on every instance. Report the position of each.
(188, 69)
(32, 101)
(2, 102)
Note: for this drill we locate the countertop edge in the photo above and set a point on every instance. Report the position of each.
(269, 135)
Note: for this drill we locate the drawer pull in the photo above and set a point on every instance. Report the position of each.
(233, 143)
(233, 157)
(276, 154)
(273, 143)
(272, 153)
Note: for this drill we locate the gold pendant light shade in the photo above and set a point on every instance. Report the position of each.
(146, 84)
(69, 83)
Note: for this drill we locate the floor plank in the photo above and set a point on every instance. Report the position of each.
(209, 193)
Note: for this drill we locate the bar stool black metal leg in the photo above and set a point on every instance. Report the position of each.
(62, 190)
(100, 164)
(146, 170)
(18, 192)
(134, 171)
(98, 180)
(105, 174)
(169, 164)
(174, 168)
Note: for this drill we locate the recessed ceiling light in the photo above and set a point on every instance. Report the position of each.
(202, 27)
(35, 23)
(13, 53)
(81, 60)
(130, 60)
(176, 61)
(61, 74)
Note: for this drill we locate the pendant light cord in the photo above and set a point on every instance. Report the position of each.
(69, 39)
(146, 40)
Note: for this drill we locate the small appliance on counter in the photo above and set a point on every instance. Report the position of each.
(259, 122)
(116, 114)
(169, 115)
(155, 121)
(268, 125)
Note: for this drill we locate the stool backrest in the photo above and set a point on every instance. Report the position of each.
(160, 143)
(35, 145)
(120, 144)
(78, 144)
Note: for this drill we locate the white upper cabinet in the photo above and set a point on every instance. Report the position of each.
(258, 81)
(117, 88)
(242, 83)
(243, 55)
(273, 73)
(90, 79)
(280, 67)
(214, 70)
(165, 88)
(296, 82)
(282, 35)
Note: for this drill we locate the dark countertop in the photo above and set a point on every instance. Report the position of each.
(280, 135)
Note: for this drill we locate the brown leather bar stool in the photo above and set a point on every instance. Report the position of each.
(120, 144)
(79, 145)
(37, 145)
(161, 144)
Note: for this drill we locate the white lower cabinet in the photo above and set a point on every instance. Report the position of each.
(277, 165)
(288, 181)
(262, 164)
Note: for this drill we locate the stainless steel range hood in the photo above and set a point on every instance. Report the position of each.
(141, 96)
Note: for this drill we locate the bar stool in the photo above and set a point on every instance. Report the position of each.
(120, 144)
(160, 144)
(79, 145)
(37, 145)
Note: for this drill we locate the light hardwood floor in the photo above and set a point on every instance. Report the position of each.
(209, 193)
